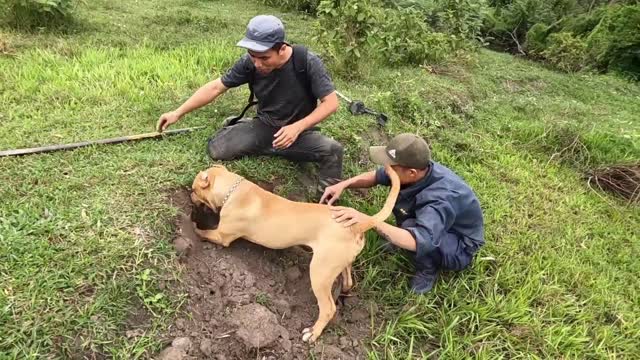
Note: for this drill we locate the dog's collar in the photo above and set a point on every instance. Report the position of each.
(231, 190)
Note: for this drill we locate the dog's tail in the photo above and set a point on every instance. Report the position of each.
(384, 213)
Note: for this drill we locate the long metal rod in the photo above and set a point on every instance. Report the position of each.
(115, 140)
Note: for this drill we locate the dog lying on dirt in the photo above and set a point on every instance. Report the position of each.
(247, 211)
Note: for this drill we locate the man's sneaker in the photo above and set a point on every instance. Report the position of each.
(423, 281)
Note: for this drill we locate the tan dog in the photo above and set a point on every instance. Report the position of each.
(247, 211)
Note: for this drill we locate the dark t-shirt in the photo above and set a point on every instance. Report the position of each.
(282, 99)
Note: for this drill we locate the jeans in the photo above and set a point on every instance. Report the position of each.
(253, 137)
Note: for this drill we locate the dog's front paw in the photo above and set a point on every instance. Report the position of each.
(211, 235)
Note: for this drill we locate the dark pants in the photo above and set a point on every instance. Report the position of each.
(253, 137)
(453, 252)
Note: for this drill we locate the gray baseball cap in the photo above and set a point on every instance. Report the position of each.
(406, 150)
(263, 31)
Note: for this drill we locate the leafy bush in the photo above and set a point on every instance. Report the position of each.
(405, 38)
(309, 6)
(462, 18)
(347, 28)
(537, 38)
(614, 43)
(571, 34)
(399, 34)
(566, 52)
(28, 14)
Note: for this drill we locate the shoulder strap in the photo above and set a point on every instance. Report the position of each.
(300, 54)
(300, 57)
(252, 101)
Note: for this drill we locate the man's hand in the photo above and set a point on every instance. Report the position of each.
(286, 136)
(167, 119)
(348, 216)
(332, 193)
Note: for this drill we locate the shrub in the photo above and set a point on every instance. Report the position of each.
(405, 38)
(27, 14)
(308, 6)
(537, 38)
(347, 28)
(614, 43)
(462, 18)
(566, 52)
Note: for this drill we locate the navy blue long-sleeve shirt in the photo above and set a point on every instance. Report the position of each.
(439, 203)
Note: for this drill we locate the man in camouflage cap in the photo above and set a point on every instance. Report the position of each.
(438, 216)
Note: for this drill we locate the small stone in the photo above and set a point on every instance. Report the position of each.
(182, 245)
(249, 281)
(182, 343)
(171, 353)
(221, 357)
(344, 342)
(286, 344)
(282, 307)
(180, 324)
(134, 333)
(293, 273)
(359, 315)
(257, 326)
(206, 347)
(332, 352)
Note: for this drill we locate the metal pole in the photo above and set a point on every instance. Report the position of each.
(115, 140)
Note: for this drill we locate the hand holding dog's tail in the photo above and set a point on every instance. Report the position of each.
(384, 213)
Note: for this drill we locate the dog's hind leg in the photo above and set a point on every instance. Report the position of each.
(347, 280)
(322, 278)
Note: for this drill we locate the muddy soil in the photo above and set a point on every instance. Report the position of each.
(251, 302)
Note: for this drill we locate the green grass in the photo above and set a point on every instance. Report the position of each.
(84, 234)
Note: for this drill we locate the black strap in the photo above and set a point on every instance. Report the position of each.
(299, 65)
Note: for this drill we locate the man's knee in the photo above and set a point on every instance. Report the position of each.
(218, 150)
(335, 148)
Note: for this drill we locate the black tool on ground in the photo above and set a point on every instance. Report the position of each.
(357, 107)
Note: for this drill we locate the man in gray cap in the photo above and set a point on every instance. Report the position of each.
(287, 81)
(439, 217)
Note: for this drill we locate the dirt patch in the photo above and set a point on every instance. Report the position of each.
(251, 302)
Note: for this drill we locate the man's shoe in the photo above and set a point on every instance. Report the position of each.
(423, 281)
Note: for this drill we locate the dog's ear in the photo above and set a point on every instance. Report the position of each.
(204, 180)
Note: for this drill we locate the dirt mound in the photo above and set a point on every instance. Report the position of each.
(251, 302)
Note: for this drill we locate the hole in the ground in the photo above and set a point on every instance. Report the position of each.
(271, 287)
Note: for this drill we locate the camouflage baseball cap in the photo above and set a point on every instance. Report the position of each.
(406, 150)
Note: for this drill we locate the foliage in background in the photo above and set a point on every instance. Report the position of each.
(29, 14)
(403, 33)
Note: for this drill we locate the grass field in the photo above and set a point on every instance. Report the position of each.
(84, 234)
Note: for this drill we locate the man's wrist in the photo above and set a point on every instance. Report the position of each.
(301, 125)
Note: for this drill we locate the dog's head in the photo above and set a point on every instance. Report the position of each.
(206, 189)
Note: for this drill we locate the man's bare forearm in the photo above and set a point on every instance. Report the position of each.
(327, 106)
(397, 236)
(365, 180)
(203, 96)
